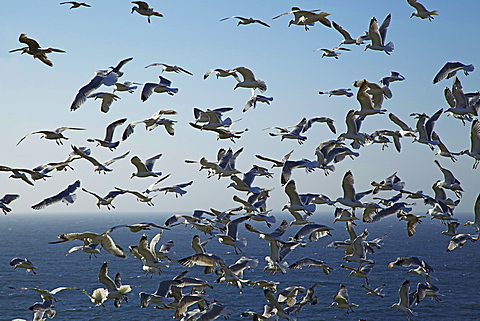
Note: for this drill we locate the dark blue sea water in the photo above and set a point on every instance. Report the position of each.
(28, 235)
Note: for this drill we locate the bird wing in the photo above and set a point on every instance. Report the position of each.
(112, 160)
(105, 279)
(246, 73)
(374, 33)
(111, 128)
(151, 161)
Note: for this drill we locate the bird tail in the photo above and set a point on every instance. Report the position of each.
(389, 47)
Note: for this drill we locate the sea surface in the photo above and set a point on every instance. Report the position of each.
(27, 235)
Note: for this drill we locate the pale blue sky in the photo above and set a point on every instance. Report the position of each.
(37, 97)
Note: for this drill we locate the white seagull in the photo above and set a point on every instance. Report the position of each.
(153, 122)
(107, 141)
(421, 11)
(98, 167)
(145, 169)
(163, 86)
(474, 150)
(249, 80)
(246, 21)
(143, 9)
(450, 69)
(67, 196)
(55, 134)
(378, 36)
(170, 68)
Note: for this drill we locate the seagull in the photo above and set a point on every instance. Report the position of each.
(116, 290)
(145, 196)
(309, 263)
(306, 18)
(249, 80)
(405, 303)
(103, 239)
(347, 39)
(107, 199)
(145, 169)
(459, 240)
(24, 264)
(337, 92)
(143, 9)
(252, 102)
(461, 107)
(340, 300)
(449, 181)
(246, 21)
(222, 73)
(231, 236)
(107, 100)
(353, 127)
(33, 49)
(367, 105)
(378, 35)
(332, 52)
(474, 150)
(394, 76)
(98, 167)
(55, 134)
(375, 292)
(153, 122)
(295, 204)
(425, 128)
(361, 271)
(350, 197)
(427, 289)
(275, 162)
(102, 77)
(294, 133)
(107, 141)
(392, 182)
(450, 69)
(313, 231)
(67, 196)
(178, 189)
(202, 259)
(170, 68)
(410, 261)
(421, 11)
(91, 249)
(126, 86)
(19, 173)
(76, 4)
(7, 199)
(147, 253)
(162, 87)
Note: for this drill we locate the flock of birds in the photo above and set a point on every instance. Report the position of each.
(226, 226)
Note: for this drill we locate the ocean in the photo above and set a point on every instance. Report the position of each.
(27, 235)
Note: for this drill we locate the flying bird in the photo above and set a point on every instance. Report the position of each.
(170, 68)
(246, 21)
(421, 11)
(66, 196)
(450, 69)
(75, 4)
(33, 49)
(107, 141)
(143, 9)
(55, 134)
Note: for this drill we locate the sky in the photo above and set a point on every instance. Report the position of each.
(190, 35)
